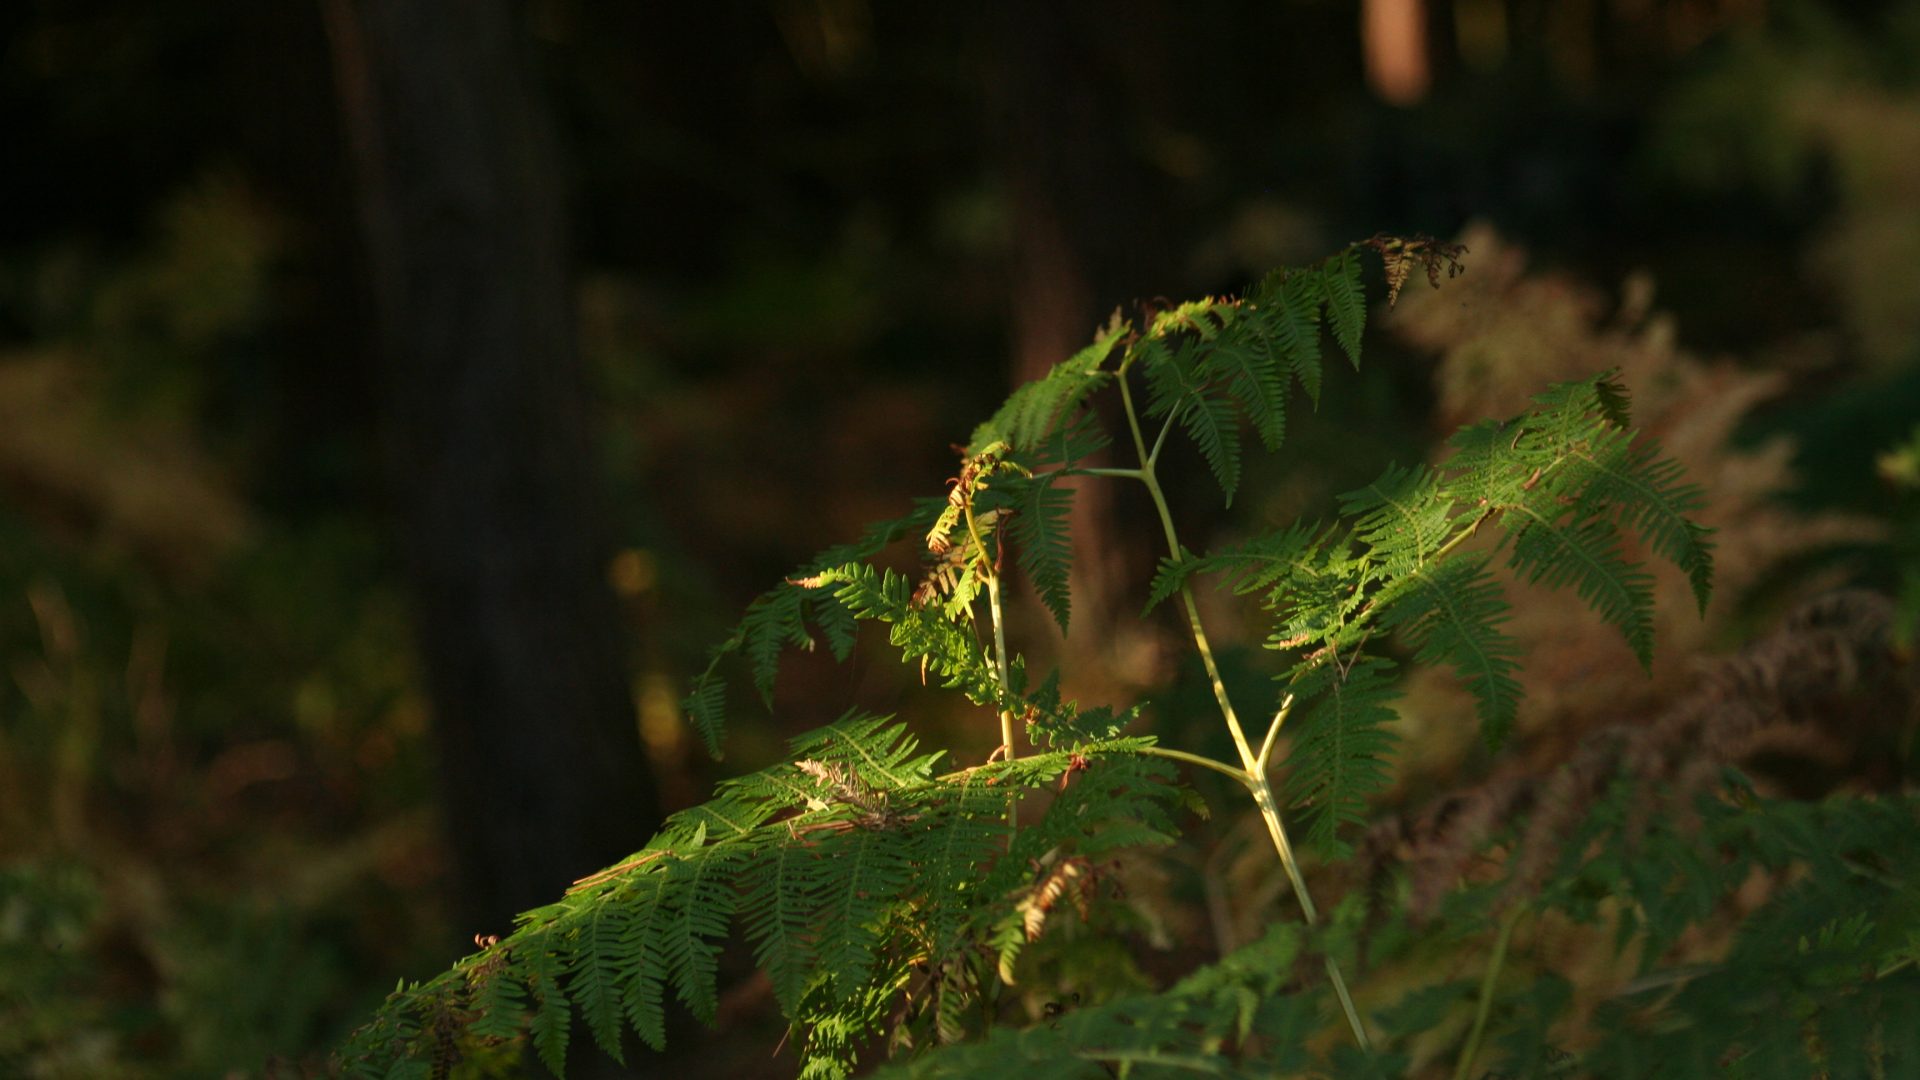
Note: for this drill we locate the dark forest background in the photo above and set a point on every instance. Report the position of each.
(397, 398)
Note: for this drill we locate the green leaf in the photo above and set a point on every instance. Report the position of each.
(1586, 555)
(1040, 534)
(1346, 303)
(1338, 760)
(1038, 409)
(1451, 613)
(553, 1018)
(595, 983)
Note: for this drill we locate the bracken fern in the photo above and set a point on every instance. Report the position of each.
(882, 894)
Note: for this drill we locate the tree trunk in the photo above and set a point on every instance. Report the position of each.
(493, 465)
(1083, 238)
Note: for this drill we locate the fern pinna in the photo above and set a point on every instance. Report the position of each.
(878, 892)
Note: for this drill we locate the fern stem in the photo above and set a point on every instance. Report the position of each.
(1198, 759)
(1120, 474)
(1001, 671)
(1485, 1005)
(1153, 456)
(1273, 732)
(1255, 774)
(1000, 662)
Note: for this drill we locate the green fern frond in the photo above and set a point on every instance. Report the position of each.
(1040, 408)
(1339, 756)
(1209, 420)
(1403, 516)
(1346, 303)
(779, 914)
(1268, 563)
(499, 998)
(1252, 376)
(553, 1014)
(780, 618)
(1648, 495)
(1041, 541)
(697, 920)
(595, 977)
(1586, 555)
(948, 649)
(1189, 1029)
(649, 898)
(1178, 389)
(1450, 613)
(870, 866)
(706, 707)
(1065, 725)
(1287, 307)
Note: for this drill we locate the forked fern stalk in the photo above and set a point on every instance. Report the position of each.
(884, 896)
(1253, 766)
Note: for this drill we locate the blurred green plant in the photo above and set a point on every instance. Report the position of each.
(211, 798)
(1900, 467)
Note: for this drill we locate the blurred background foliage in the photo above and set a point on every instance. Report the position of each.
(814, 241)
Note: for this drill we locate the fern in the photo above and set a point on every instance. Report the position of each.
(1339, 758)
(880, 894)
(1346, 304)
(1039, 527)
(1450, 613)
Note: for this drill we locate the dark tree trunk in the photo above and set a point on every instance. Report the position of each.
(1083, 229)
(493, 462)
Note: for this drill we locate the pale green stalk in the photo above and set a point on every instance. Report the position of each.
(1485, 1005)
(1253, 771)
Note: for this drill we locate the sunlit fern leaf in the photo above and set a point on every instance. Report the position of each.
(1177, 388)
(1287, 310)
(649, 896)
(1341, 745)
(1451, 613)
(1585, 553)
(553, 1017)
(698, 918)
(1170, 578)
(779, 910)
(1038, 408)
(1346, 303)
(1326, 605)
(950, 650)
(1040, 534)
(1486, 458)
(964, 831)
(1266, 563)
(868, 870)
(1403, 516)
(880, 750)
(1613, 400)
(1204, 318)
(594, 985)
(1252, 377)
(778, 619)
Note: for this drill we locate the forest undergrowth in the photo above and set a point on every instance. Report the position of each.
(1718, 879)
